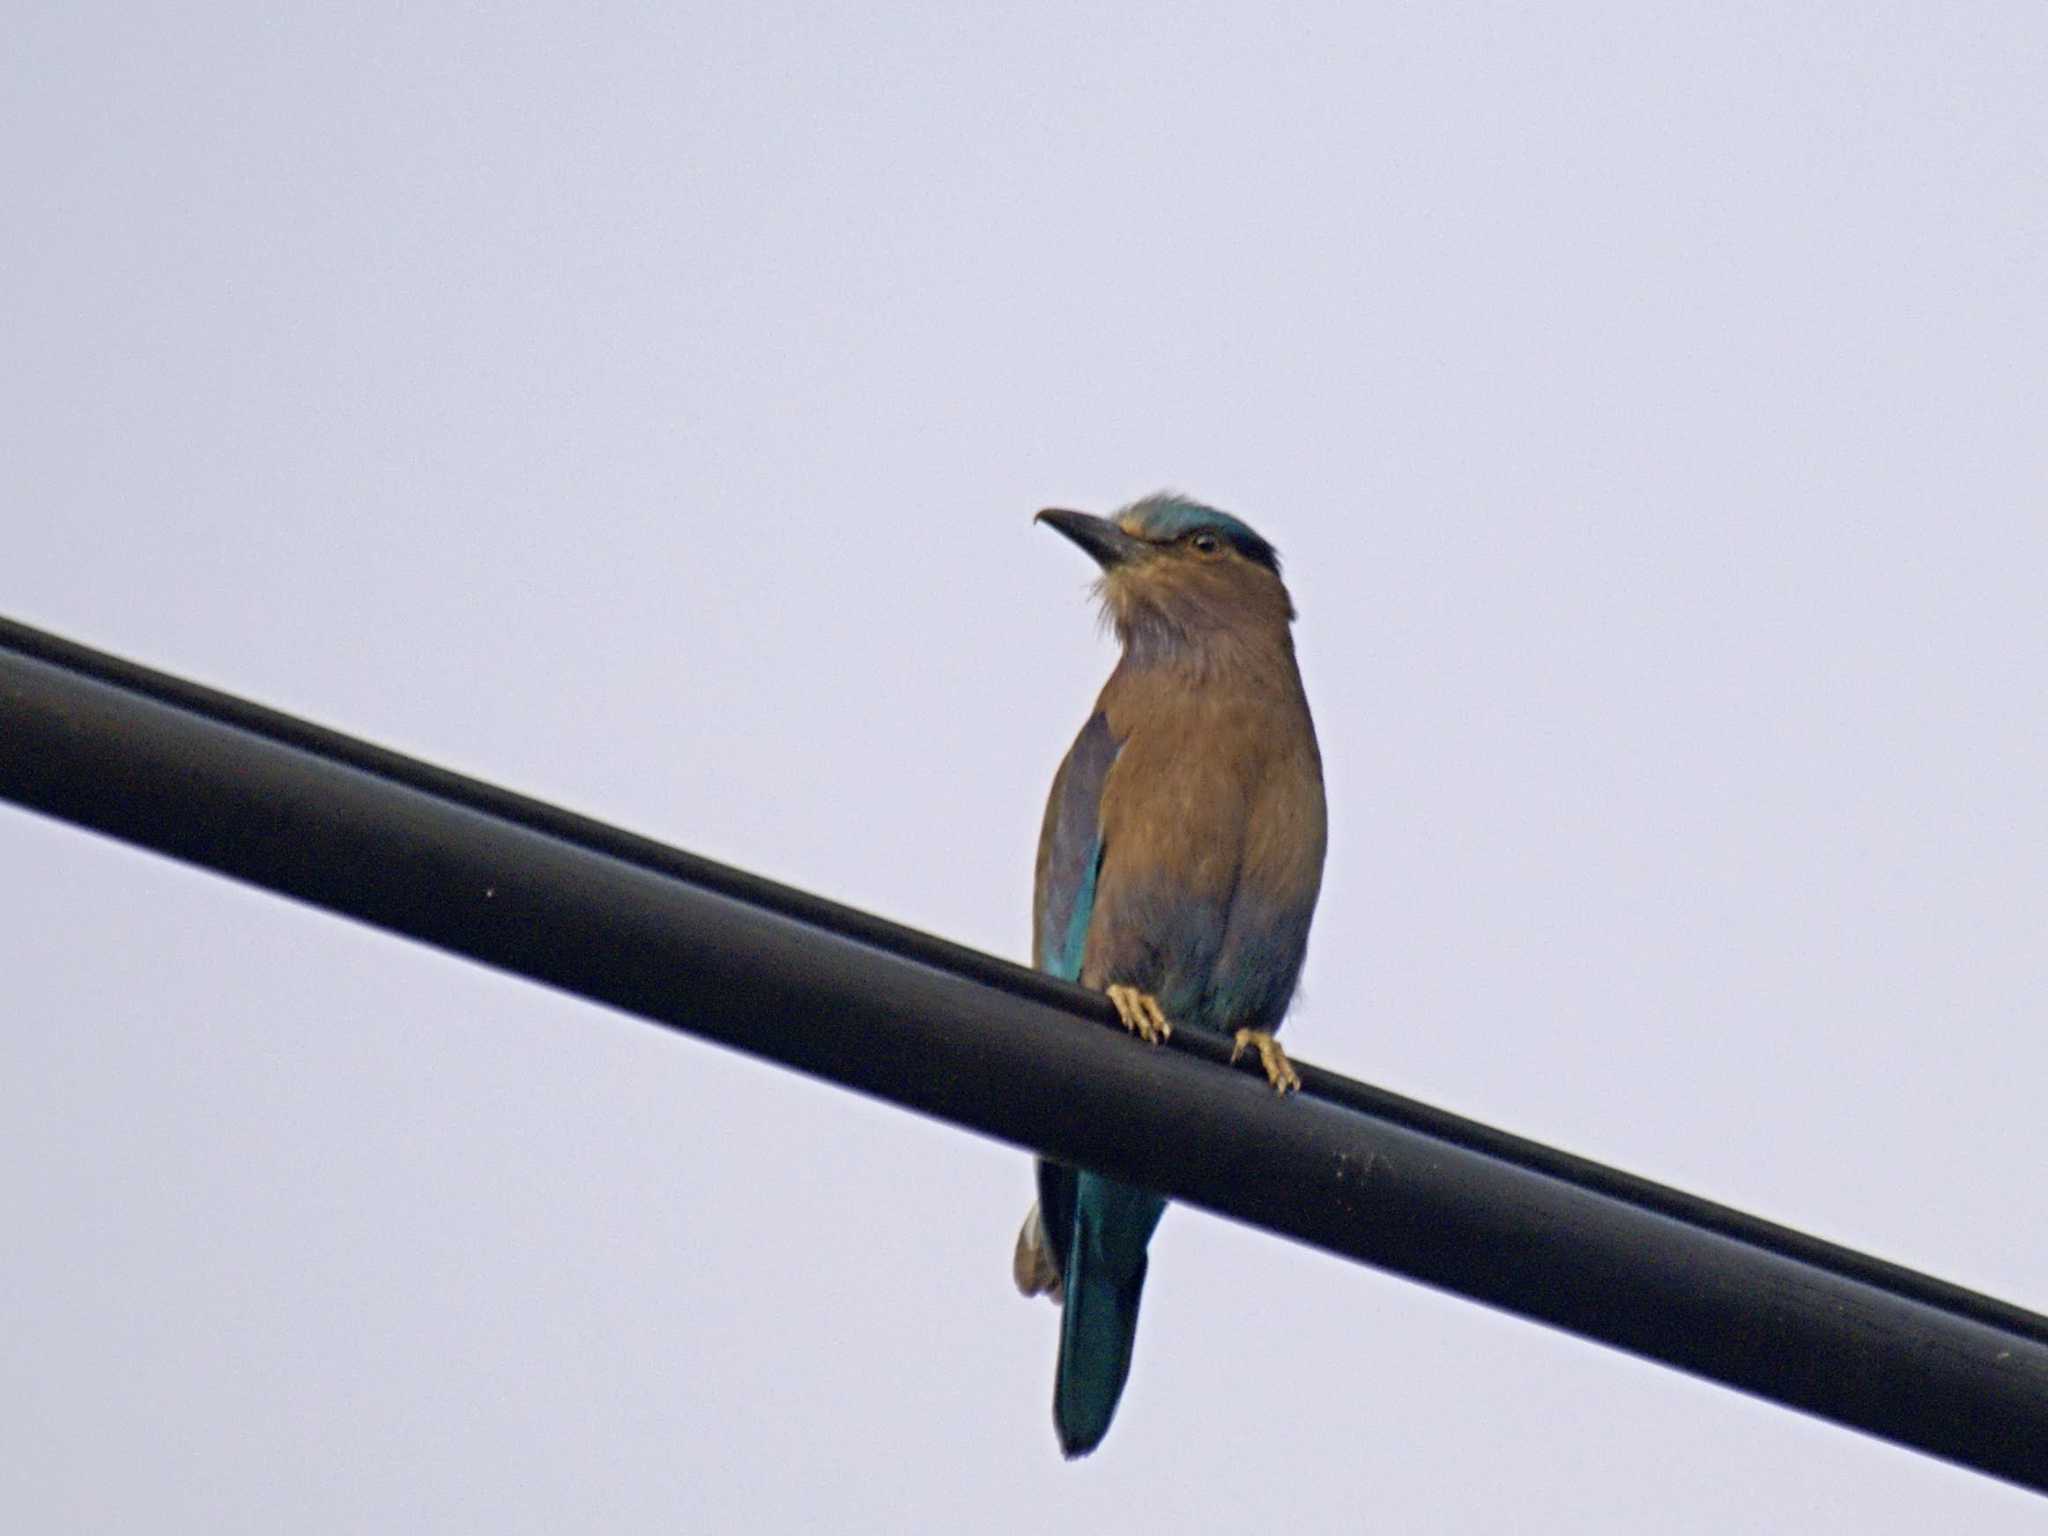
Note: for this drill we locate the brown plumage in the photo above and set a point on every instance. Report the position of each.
(1214, 802)
(1178, 869)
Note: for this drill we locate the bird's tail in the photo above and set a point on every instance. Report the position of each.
(1104, 1281)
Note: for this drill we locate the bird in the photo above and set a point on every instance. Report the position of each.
(1179, 863)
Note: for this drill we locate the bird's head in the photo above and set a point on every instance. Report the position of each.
(1177, 574)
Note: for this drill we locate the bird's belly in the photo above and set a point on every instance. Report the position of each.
(1219, 964)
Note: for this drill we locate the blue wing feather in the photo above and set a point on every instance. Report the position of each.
(1070, 852)
(1096, 1227)
(1069, 859)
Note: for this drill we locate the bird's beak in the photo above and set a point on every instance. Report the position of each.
(1109, 544)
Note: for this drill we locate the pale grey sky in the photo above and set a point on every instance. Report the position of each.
(643, 407)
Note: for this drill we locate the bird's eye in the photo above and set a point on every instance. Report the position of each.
(1205, 543)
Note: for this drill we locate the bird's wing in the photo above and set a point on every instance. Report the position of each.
(1069, 856)
(1089, 1231)
(1070, 852)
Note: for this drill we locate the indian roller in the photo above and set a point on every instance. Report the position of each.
(1178, 868)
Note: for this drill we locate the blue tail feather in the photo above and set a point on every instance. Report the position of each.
(1105, 1277)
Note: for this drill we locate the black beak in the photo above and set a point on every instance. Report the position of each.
(1109, 544)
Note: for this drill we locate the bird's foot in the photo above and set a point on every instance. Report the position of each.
(1141, 1014)
(1279, 1070)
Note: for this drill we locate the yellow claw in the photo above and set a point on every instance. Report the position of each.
(1279, 1070)
(1141, 1014)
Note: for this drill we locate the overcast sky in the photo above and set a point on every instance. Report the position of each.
(643, 408)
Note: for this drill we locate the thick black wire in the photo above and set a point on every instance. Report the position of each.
(232, 786)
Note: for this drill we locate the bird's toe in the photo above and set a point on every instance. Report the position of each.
(1141, 1014)
(1278, 1069)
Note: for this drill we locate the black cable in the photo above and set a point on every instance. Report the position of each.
(280, 803)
